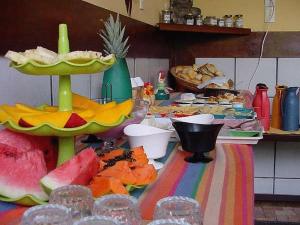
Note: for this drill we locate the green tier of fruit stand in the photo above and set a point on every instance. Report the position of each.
(63, 69)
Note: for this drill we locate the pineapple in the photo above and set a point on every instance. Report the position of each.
(113, 38)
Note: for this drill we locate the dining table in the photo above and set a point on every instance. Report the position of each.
(223, 187)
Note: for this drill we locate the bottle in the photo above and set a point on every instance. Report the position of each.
(276, 109)
(261, 105)
(290, 109)
(161, 94)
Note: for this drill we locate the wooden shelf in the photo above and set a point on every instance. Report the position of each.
(203, 29)
(282, 137)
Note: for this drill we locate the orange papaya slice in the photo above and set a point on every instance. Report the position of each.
(112, 154)
(139, 157)
(104, 185)
(120, 171)
(145, 174)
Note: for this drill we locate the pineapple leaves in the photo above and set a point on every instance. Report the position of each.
(113, 36)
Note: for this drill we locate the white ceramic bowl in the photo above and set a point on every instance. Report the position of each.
(198, 119)
(154, 140)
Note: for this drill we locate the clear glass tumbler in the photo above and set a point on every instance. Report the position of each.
(51, 214)
(76, 197)
(178, 207)
(168, 222)
(97, 220)
(124, 208)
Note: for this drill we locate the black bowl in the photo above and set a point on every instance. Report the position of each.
(197, 138)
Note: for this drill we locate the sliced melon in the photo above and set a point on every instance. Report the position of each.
(78, 170)
(83, 102)
(21, 172)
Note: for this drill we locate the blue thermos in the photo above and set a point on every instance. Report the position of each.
(290, 109)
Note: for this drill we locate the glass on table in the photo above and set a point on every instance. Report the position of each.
(123, 208)
(178, 207)
(76, 197)
(168, 222)
(97, 220)
(51, 214)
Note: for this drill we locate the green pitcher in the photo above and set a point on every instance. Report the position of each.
(116, 83)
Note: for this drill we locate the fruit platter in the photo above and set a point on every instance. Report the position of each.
(33, 160)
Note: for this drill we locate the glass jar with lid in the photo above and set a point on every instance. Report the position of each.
(238, 21)
(189, 19)
(221, 22)
(166, 16)
(228, 21)
(199, 20)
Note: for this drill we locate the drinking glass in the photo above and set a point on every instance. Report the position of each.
(51, 214)
(76, 197)
(124, 208)
(168, 222)
(97, 220)
(178, 207)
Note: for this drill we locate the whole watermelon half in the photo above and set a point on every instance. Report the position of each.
(78, 170)
(20, 172)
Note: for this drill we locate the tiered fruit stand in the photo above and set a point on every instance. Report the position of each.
(63, 69)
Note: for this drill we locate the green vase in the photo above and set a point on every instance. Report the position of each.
(116, 82)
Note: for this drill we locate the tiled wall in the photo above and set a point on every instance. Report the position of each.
(277, 167)
(36, 90)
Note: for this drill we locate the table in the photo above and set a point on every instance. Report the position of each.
(223, 187)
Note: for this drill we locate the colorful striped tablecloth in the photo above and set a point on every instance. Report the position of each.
(223, 187)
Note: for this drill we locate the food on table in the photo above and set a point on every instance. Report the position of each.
(24, 160)
(47, 57)
(21, 172)
(84, 111)
(164, 110)
(78, 170)
(119, 168)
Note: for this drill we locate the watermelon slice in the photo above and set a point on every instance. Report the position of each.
(20, 173)
(78, 170)
(24, 143)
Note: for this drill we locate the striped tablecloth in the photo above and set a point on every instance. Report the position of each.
(224, 187)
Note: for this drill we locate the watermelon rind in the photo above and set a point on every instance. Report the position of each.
(49, 184)
(26, 200)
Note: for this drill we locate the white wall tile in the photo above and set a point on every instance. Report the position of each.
(96, 85)
(226, 65)
(17, 87)
(287, 186)
(266, 73)
(287, 160)
(130, 64)
(148, 68)
(263, 185)
(81, 84)
(289, 71)
(263, 159)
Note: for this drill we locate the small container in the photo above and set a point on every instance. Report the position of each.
(221, 22)
(199, 20)
(161, 94)
(228, 21)
(189, 19)
(211, 21)
(166, 16)
(238, 21)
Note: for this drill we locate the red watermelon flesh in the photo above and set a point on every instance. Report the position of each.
(25, 143)
(20, 172)
(78, 170)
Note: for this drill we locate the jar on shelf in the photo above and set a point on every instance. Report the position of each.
(238, 21)
(228, 21)
(211, 21)
(166, 16)
(221, 22)
(199, 20)
(189, 19)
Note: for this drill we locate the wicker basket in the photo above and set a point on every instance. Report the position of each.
(184, 85)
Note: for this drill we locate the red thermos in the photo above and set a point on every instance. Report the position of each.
(261, 105)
